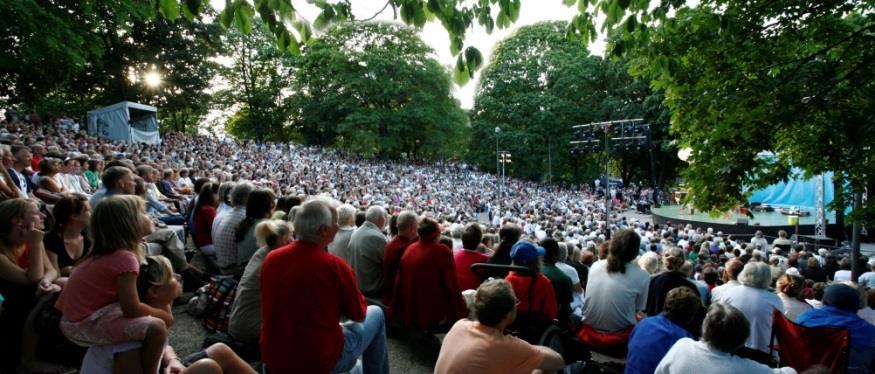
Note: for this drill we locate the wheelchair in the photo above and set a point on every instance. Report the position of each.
(531, 327)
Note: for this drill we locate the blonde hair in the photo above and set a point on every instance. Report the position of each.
(156, 271)
(115, 224)
(11, 210)
(268, 232)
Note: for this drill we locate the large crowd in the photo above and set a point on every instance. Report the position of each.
(315, 252)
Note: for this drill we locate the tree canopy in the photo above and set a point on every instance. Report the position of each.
(536, 87)
(375, 89)
(72, 56)
(745, 79)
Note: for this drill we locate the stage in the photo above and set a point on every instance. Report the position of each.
(736, 223)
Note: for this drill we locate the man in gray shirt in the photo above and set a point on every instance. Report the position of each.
(340, 246)
(366, 246)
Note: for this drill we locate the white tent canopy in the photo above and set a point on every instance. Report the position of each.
(125, 121)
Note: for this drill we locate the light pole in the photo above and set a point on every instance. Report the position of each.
(549, 151)
(497, 159)
(505, 159)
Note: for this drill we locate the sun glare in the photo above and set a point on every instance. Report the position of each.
(152, 79)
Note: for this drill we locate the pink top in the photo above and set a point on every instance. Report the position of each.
(93, 284)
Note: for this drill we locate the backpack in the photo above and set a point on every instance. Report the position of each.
(220, 296)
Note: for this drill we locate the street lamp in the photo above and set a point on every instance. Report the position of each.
(505, 159)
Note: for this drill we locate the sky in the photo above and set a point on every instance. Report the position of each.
(433, 34)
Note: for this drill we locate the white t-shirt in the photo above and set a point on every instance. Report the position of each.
(842, 276)
(792, 307)
(717, 292)
(690, 356)
(612, 299)
(867, 279)
(757, 305)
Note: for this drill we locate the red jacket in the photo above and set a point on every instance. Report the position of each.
(426, 291)
(304, 292)
(543, 301)
(391, 259)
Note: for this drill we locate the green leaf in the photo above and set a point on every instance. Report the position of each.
(582, 5)
(474, 58)
(624, 4)
(568, 2)
(502, 21)
(456, 43)
(461, 75)
(514, 10)
(243, 17)
(191, 8)
(227, 15)
(324, 18)
(169, 9)
(419, 17)
(630, 24)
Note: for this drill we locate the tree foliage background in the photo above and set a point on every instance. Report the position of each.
(537, 86)
(792, 79)
(375, 89)
(72, 56)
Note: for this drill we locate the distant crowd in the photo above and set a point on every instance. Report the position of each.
(315, 252)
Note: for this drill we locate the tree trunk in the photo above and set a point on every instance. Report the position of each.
(839, 203)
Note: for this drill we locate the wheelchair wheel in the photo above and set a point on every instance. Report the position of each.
(551, 338)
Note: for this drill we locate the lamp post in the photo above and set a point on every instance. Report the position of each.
(505, 159)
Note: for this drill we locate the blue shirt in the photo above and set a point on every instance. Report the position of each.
(862, 333)
(650, 341)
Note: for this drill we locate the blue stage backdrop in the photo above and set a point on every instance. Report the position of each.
(796, 192)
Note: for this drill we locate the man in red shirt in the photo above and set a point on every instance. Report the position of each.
(305, 291)
(406, 222)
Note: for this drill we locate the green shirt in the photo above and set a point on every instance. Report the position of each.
(92, 179)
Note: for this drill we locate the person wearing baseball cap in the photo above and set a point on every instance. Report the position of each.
(840, 305)
(535, 292)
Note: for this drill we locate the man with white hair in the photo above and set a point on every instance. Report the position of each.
(305, 292)
(366, 251)
(346, 219)
(755, 300)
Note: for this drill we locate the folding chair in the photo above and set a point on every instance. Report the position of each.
(802, 347)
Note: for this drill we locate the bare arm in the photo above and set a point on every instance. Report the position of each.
(130, 302)
(36, 268)
(552, 361)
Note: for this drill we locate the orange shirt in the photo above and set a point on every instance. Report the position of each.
(470, 347)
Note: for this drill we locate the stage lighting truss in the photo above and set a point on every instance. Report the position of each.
(623, 136)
